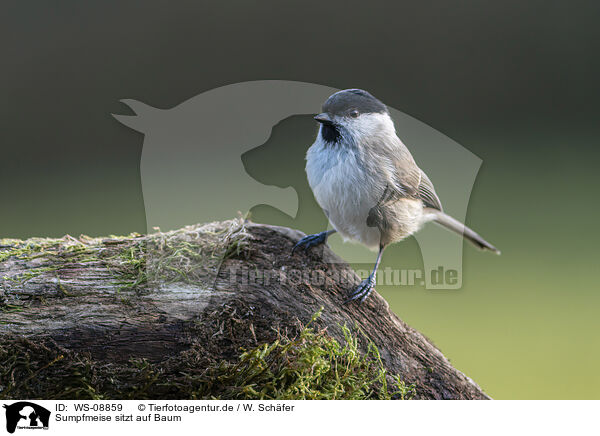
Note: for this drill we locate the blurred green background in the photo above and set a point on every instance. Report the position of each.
(516, 83)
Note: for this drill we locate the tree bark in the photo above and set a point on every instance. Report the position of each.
(144, 297)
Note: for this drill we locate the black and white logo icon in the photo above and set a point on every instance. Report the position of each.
(26, 415)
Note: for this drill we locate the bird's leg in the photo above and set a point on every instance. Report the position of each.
(365, 288)
(313, 240)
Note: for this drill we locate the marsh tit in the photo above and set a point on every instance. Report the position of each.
(367, 182)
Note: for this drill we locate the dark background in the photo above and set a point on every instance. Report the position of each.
(514, 82)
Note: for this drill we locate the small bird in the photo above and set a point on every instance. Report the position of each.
(367, 182)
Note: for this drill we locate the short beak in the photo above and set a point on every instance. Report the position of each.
(323, 118)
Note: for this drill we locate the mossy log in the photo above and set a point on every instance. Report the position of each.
(153, 316)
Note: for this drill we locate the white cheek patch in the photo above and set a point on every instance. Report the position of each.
(366, 126)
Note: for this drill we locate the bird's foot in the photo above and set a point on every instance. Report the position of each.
(311, 241)
(363, 290)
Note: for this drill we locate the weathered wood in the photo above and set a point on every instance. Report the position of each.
(234, 282)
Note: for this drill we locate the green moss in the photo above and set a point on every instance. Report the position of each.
(188, 255)
(23, 250)
(128, 266)
(193, 257)
(29, 274)
(10, 308)
(310, 366)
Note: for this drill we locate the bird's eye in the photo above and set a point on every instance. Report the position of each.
(354, 113)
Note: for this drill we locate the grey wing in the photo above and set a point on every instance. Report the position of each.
(406, 180)
(411, 182)
(422, 189)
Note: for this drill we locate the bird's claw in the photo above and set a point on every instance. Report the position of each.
(310, 241)
(362, 291)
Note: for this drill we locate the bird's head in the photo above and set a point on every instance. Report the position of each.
(352, 115)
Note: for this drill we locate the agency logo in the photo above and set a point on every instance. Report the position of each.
(26, 415)
(242, 147)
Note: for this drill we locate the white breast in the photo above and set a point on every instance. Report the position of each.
(339, 183)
